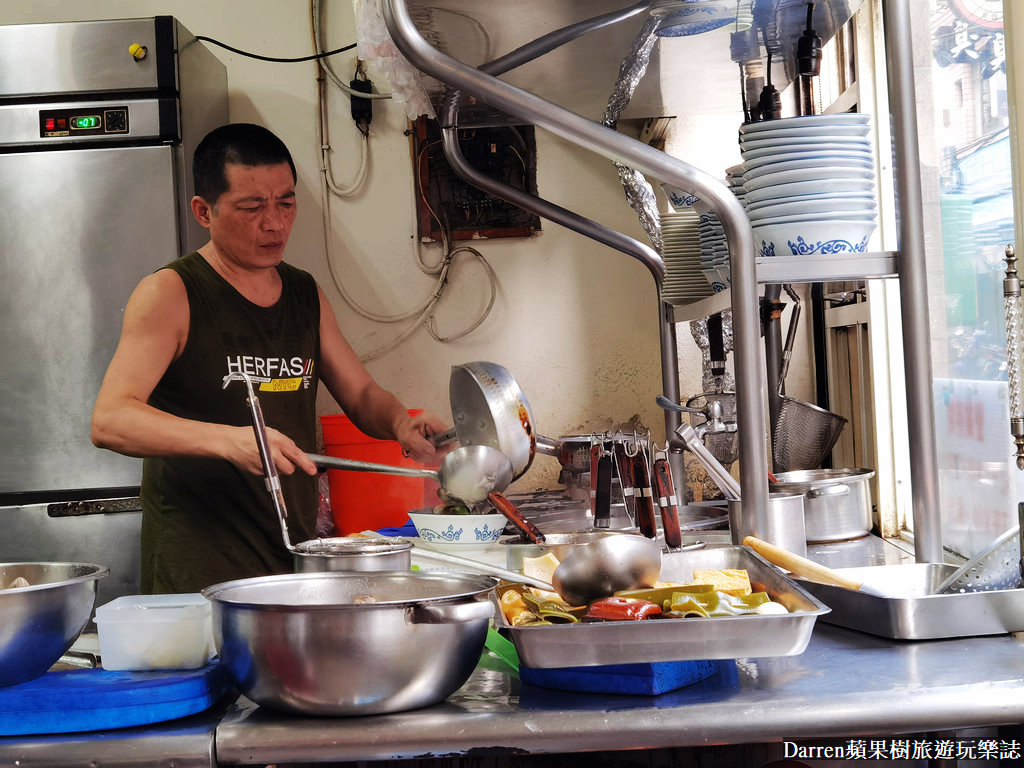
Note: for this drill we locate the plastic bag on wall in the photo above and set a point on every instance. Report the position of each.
(382, 57)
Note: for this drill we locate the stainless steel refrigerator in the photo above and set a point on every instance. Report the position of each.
(98, 123)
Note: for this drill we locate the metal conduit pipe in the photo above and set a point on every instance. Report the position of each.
(584, 226)
(917, 355)
(750, 391)
(560, 37)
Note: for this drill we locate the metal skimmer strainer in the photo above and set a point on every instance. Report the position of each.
(996, 567)
(804, 433)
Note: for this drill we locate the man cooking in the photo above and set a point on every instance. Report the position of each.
(234, 306)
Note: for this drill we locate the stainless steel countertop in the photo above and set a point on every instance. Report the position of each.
(845, 683)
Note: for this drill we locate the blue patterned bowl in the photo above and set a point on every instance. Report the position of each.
(457, 533)
(813, 238)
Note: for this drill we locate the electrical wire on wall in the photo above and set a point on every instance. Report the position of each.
(423, 314)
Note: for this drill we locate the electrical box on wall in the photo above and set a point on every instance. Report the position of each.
(506, 153)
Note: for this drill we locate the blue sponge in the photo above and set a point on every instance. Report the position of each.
(638, 679)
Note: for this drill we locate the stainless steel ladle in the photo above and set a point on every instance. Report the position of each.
(467, 474)
(606, 566)
(471, 474)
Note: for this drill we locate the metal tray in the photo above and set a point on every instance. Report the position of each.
(910, 610)
(723, 637)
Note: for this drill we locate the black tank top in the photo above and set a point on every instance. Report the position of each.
(205, 520)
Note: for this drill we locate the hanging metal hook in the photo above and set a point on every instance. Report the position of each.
(636, 446)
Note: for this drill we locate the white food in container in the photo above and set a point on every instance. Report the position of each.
(139, 632)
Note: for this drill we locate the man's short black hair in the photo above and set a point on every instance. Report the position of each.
(235, 143)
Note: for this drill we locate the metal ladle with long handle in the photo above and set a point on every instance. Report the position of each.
(470, 474)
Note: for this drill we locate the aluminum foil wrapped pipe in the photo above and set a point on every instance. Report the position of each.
(699, 331)
(1012, 313)
(639, 192)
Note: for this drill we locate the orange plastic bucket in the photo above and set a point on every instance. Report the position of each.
(363, 501)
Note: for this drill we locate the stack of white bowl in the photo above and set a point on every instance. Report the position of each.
(680, 248)
(809, 184)
(714, 251)
(734, 179)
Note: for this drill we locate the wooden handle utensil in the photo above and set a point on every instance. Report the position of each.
(667, 504)
(645, 519)
(513, 515)
(799, 566)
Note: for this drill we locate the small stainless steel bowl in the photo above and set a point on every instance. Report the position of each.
(353, 553)
(351, 643)
(38, 623)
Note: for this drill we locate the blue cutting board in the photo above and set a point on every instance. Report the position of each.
(98, 699)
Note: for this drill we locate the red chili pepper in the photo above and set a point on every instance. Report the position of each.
(621, 609)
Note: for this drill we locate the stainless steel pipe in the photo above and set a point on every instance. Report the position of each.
(917, 355)
(750, 395)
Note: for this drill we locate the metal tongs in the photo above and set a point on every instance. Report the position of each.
(270, 476)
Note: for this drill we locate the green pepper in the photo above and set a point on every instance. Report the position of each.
(714, 603)
(700, 604)
(660, 595)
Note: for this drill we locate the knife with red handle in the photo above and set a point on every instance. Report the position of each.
(667, 503)
(509, 510)
(644, 497)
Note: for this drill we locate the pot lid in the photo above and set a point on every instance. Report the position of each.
(810, 477)
(352, 545)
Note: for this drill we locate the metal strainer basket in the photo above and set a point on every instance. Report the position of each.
(996, 567)
(804, 435)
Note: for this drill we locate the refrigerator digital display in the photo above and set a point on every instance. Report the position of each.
(85, 122)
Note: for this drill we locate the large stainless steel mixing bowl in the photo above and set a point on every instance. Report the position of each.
(38, 623)
(308, 643)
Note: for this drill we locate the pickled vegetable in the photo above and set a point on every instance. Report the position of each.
(621, 609)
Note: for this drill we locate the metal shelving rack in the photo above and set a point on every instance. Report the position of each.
(798, 269)
(908, 264)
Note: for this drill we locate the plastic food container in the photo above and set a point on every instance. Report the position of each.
(155, 632)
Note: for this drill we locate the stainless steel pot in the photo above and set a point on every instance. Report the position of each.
(351, 643)
(356, 553)
(489, 408)
(837, 502)
(786, 522)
